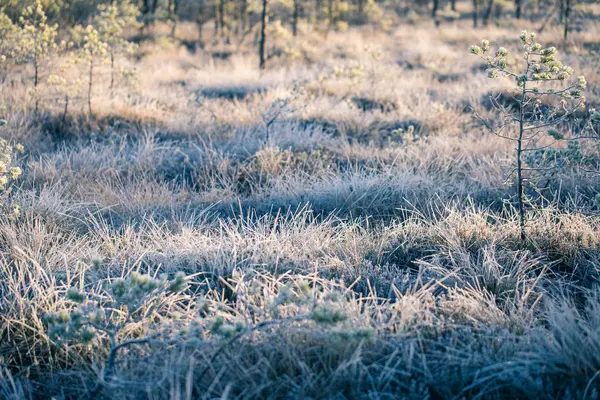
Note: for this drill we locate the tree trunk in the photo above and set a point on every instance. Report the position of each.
(488, 12)
(318, 6)
(222, 15)
(330, 14)
(561, 12)
(173, 8)
(148, 10)
(434, 10)
(361, 10)
(520, 189)
(295, 17)
(66, 109)
(567, 15)
(200, 24)
(244, 15)
(475, 11)
(145, 8)
(216, 13)
(35, 82)
(35, 71)
(518, 6)
(90, 83)
(112, 72)
(453, 5)
(262, 49)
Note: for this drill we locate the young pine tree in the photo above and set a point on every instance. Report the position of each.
(137, 301)
(531, 125)
(35, 41)
(91, 49)
(111, 21)
(8, 40)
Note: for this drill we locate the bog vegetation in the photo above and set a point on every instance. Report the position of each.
(292, 199)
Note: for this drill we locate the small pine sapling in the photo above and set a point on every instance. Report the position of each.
(137, 301)
(91, 49)
(35, 42)
(530, 124)
(281, 107)
(111, 21)
(8, 40)
(64, 87)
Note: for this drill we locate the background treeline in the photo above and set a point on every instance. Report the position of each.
(91, 33)
(242, 16)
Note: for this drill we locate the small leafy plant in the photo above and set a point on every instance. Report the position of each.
(530, 123)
